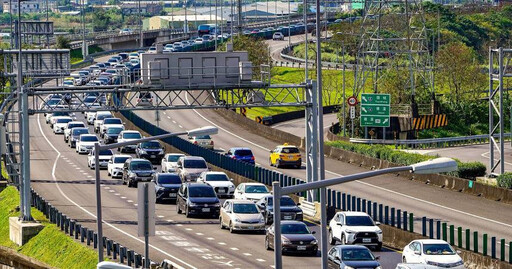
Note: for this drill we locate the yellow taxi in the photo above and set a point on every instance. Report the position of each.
(285, 155)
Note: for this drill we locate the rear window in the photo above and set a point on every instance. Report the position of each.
(64, 120)
(112, 121)
(169, 179)
(106, 152)
(217, 177)
(73, 125)
(150, 145)
(203, 137)
(290, 150)
(173, 158)
(103, 116)
(120, 159)
(80, 131)
(89, 138)
(141, 165)
(195, 164)
(203, 191)
(115, 130)
(243, 152)
(132, 135)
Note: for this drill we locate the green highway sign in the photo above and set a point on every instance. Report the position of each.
(375, 110)
(374, 121)
(375, 99)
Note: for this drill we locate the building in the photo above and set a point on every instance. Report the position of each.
(178, 21)
(27, 6)
(145, 8)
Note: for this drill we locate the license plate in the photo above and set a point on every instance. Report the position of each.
(153, 156)
(251, 227)
(301, 247)
(222, 190)
(290, 157)
(172, 194)
(287, 217)
(367, 240)
(206, 210)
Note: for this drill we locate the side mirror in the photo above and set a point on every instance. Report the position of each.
(417, 252)
(339, 223)
(458, 252)
(298, 204)
(231, 179)
(271, 151)
(154, 167)
(377, 223)
(110, 162)
(313, 232)
(377, 258)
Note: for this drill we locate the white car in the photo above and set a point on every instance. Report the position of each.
(89, 117)
(355, 228)
(239, 215)
(98, 119)
(251, 191)
(126, 136)
(104, 157)
(191, 167)
(220, 182)
(115, 165)
(278, 36)
(170, 162)
(59, 123)
(432, 252)
(204, 141)
(85, 143)
(49, 116)
(67, 129)
(110, 122)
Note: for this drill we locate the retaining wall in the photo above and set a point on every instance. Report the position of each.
(10, 258)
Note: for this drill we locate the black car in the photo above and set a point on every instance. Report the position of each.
(166, 186)
(296, 238)
(351, 256)
(135, 170)
(110, 136)
(198, 199)
(289, 210)
(151, 150)
(75, 135)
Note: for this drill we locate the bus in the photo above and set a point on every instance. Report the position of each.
(206, 29)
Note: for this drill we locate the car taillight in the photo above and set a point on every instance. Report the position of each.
(252, 158)
(211, 142)
(233, 157)
(195, 142)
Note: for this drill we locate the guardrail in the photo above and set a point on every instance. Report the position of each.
(431, 142)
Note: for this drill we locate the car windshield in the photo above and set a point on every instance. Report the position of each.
(104, 116)
(53, 101)
(63, 120)
(112, 121)
(290, 150)
(359, 221)
(80, 131)
(141, 166)
(132, 135)
(121, 159)
(73, 125)
(201, 192)
(90, 99)
(195, 164)
(256, 189)
(89, 138)
(438, 249)
(203, 137)
(217, 177)
(115, 130)
(105, 152)
(56, 114)
(285, 201)
(173, 158)
(150, 145)
(294, 228)
(243, 152)
(356, 255)
(245, 209)
(169, 179)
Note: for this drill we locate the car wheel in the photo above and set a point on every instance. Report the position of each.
(332, 240)
(221, 225)
(267, 243)
(278, 164)
(178, 209)
(270, 162)
(404, 260)
(231, 229)
(342, 239)
(187, 212)
(108, 173)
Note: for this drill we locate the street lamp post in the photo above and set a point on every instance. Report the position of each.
(439, 165)
(207, 130)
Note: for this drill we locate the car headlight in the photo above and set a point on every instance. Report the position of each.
(231, 186)
(285, 240)
(378, 267)
(299, 213)
(133, 174)
(192, 204)
(349, 231)
(236, 220)
(314, 242)
(216, 205)
(459, 263)
(142, 151)
(160, 188)
(379, 231)
(262, 219)
(432, 263)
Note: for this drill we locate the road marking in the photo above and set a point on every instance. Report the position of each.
(234, 249)
(168, 117)
(122, 197)
(222, 243)
(89, 176)
(117, 194)
(78, 168)
(199, 234)
(165, 113)
(180, 126)
(129, 201)
(111, 191)
(93, 215)
(107, 188)
(179, 225)
(487, 157)
(81, 171)
(174, 121)
(357, 181)
(210, 238)
(135, 204)
(247, 254)
(260, 260)
(160, 216)
(188, 229)
(170, 220)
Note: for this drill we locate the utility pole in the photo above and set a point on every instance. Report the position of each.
(305, 11)
(289, 24)
(240, 20)
(216, 25)
(84, 43)
(141, 37)
(47, 19)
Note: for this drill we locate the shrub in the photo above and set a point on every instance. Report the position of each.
(505, 180)
(470, 170)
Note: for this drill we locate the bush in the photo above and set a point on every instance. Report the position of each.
(505, 180)
(470, 170)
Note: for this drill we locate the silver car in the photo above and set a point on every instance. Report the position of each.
(241, 215)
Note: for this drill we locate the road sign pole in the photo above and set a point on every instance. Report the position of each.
(99, 219)
(146, 228)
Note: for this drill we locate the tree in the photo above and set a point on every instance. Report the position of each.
(257, 48)
(100, 20)
(459, 71)
(62, 42)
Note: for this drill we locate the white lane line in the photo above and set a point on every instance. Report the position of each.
(135, 204)
(84, 173)
(107, 188)
(168, 117)
(174, 121)
(188, 229)
(78, 168)
(165, 113)
(170, 220)
(180, 126)
(361, 182)
(117, 194)
(89, 176)
(111, 191)
(81, 171)
(160, 216)
(122, 197)
(199, 234)
(485, 155)
(210, 238)
(91, 214)
(222, 243)
(234, 249)
(129, 201)
(179, 225)
(247, 254)
(260, 260)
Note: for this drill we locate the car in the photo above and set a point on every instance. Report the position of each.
(89, 116)
(289, 210)
(241, 154)
(111, 134)
(125, 31)
(104, 156)
(144, 99)
(220, 182)
(60, 123)
(296, 238)
(197, 199)
(85, 143)
(136, 170)
(415, 266)
(115, 165)
(198, 41)
(49, 116)
(128, 135)
(346, 256)
(278, 36)
(285, 155)
(204, 141)
(432, 252)
(110, 122)
(69, 126)
(191, 167)
(166, 186)
(150, 150)
(98, 119)
(251, 191)
(355, 228)
(170, 162)
(241, 215)
(75, 135)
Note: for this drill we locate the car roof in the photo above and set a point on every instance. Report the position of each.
(130, 131)
(160, 173)
(271, 195)
(62, 117)
(287, 145)
(238, 201)
(180, 154)
(214, 173)
(292, 222)
(192, 158)
(253, 184)
(122, 155)
(353, 213)
(198, 184)
(88, 135)
(431, 241)
(138, 159)
(240, 148)
(340, 247)
(75, 122)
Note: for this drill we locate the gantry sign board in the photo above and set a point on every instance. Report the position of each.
(375, 110)
(38, 63)
(35, 27)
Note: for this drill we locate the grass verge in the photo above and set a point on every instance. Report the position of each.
(50, 246)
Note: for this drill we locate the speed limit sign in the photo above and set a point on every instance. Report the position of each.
(352, 101)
